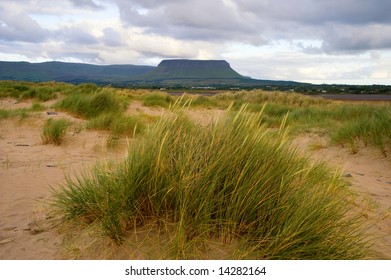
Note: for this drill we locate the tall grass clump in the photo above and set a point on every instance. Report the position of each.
(373, 128)
(233, 181)
(271, 97)
(42, 91)
(93, 104)
(117, 123)
(157, 99)
(54, 131)
(39, 93)
(20, 114)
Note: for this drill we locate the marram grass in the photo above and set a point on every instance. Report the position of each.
(118, 123)
(53, 131)
(234, 181)
(92, 105)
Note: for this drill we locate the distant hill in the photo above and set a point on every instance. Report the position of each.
(71, 72)
(169, 73)
(192, 69)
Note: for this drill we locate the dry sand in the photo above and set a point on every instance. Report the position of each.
(369, 175)
(28, 169)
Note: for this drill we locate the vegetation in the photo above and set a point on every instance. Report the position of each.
(27, 90)
(157, 99)
(70, 72)
(54, 131)
(91, 105)
(232, 186)
(373, 128)
(22, 113)
(233, 181)
(346, 124)
(117, 123)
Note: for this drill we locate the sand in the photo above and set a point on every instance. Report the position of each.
(29, 169)
(369, 175)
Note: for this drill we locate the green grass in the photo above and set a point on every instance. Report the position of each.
(117, 123)
(157, 99)
(21, 114)
(373, 129)
(37, 107)
(4, 114)
(53, 131)
(93, 104)
(234, 181)
(28, 90)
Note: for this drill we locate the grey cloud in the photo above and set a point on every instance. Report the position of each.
(342, 25)
(320, 11)
(111, 37)
(195, 20)
(20, 27)
(76, 35)
(357, 38)
(260, 21)
(88, 57)
(86, 4)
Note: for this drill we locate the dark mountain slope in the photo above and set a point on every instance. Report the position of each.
(70, 72)
(169, 73)
(192, 69)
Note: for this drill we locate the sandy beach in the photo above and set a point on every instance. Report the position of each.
(29, 169)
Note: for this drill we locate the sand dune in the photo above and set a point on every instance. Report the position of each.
(28, 169)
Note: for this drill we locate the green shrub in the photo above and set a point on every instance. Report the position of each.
(234, 181)
(54, 131)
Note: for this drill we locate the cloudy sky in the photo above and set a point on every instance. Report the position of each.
(319, 41)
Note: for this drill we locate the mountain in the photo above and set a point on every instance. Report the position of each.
(191, 69)
(169, 73)
(71, 72)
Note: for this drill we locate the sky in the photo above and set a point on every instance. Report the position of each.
(316, 41)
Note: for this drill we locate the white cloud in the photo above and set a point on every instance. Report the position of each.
(311, 40)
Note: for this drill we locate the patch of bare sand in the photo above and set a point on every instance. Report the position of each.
(10, 103)
(136, 107)
(27, 171)
(369, 174)
(205, 116)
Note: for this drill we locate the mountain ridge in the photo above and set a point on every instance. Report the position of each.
(169, 73)
(70, 72)
(192, 69)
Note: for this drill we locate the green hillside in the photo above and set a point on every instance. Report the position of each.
(192, 69)
(175, 73)
(70, 72)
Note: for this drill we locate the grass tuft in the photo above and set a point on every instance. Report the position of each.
(118, 124)
(234, 181)
(93, 104)
(373, 128)
(157, 99)
(54, 131)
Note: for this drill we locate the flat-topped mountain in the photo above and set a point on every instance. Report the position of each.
(169, 73)
(192, 69)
